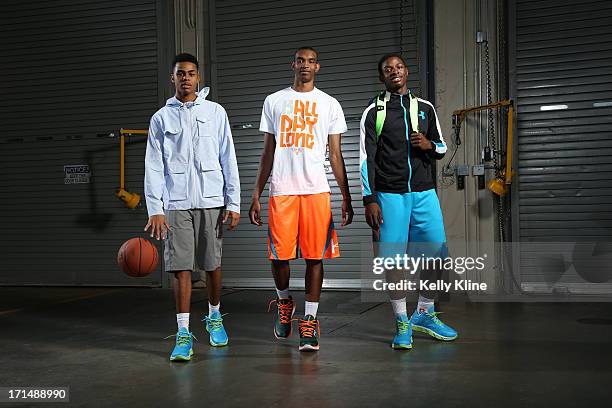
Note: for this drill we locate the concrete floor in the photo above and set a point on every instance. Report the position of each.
(108, 346)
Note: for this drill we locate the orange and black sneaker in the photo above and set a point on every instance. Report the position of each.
(309, 333)
(285, 310)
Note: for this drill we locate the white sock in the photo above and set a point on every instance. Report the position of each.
(399, 307)
(311, 308)
(282, 294)
(212, 308)
(182, 320)
(424, 304)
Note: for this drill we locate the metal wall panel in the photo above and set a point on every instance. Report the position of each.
(253, 44)
(70, 71)
(563, 57)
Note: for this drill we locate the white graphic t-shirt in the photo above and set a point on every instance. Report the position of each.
(300, 123)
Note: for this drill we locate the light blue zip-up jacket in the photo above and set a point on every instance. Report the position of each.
(190, 160)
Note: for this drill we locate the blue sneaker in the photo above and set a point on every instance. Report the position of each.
(214, 326)
(428, 322)
(403, 334)
(183, 349)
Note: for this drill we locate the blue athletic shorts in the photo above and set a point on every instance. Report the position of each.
(412, 224)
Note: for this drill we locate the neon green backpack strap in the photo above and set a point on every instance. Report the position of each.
(381, 111)
(414, 113)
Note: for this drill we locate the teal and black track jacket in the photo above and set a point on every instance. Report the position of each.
(388, 163)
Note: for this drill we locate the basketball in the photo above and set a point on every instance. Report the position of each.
(137, 257)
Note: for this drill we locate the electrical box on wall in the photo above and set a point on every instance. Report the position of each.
(478, 171)
(461, 171)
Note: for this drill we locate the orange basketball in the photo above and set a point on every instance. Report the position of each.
(137, 257)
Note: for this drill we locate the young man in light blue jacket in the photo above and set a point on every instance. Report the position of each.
(191, 189)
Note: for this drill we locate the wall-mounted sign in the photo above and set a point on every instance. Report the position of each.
(77, 174)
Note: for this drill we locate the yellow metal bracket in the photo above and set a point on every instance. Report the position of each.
(499, 185)
(131, 200)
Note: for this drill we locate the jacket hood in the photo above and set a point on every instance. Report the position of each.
(202, 94)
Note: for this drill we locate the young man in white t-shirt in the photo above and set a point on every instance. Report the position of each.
(299, 122)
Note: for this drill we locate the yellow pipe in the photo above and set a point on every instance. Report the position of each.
(122, 163)
(509, 146)
(462, 112)
(131, 200)
(134, 131)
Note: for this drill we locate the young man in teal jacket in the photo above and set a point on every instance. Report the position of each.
(400, 140)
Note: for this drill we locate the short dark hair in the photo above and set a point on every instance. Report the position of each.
(385, 57)
(306, 49)
(184, 57)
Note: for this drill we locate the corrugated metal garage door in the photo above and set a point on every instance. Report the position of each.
(564, 89)
(254, 44)
(69, 71)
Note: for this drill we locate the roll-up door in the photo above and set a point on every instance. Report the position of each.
(254, 42)
(70, 72)
(564, 96)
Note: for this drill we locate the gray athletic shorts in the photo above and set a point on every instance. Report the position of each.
(194, 242)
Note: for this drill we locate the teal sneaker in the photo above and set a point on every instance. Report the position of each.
(284, 316)
(309, 333)
(403, 334)
(214, 326)
(427, 322)
(183, 349)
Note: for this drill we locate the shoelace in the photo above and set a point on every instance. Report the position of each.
(307, 327)
(182, 339)
(285, 309)
(215, 324)
(434, 316)
(402, 327)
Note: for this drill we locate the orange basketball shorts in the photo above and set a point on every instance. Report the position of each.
(301, 226)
